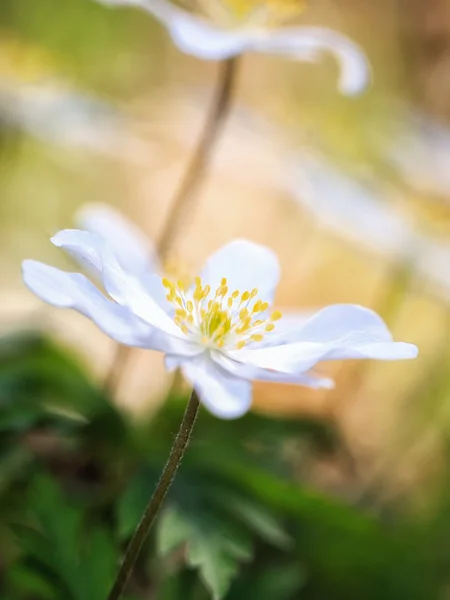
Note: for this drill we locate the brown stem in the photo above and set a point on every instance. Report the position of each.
(200, 158)
(183, 197)
(156, 501)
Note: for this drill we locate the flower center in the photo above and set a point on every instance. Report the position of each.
(220, 318)
(249, 12)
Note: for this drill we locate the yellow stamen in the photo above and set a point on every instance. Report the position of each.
(276, 315)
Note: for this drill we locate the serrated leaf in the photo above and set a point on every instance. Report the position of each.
(172, 531)
(257, 517)
(217, 567)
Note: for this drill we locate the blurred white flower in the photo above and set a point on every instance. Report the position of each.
(355, 209)
(56, 114)
(361, 212)
(219, 329)
(233, 27)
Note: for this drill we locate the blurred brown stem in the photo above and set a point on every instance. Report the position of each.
(156, 501)
(184, 196)
(200, 158)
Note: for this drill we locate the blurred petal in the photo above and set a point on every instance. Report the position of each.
(246, 266)
(73, 290)
(126, 289)
(84, 247)
(192, 35)
(337, 332)
(246, 371)
(129, 243)
(196, 36)
(352, 207)
(223, 395)
(309, 43)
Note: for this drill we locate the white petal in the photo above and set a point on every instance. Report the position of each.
(73, 290)
(309, 43)
(224, 395)
(126, 289)
(84, 247)
(129, 243)
(286, 329)
(246, 266)
(199, 38)
(191, 34)
(251, 372)
(337, 332)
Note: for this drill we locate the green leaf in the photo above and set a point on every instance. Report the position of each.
(216, 564)
(213, 546)
(255, 516)
(172, 531)
(282, 582)
(134, 500)
(100, 563)
(27, 581)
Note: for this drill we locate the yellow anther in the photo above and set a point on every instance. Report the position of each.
(203, 314)
(184, 329)
(243, 314)
(257, 306)
(190, 319)
(219, 331)
(198, 293)
(190, 305)
(224, 290)
(245, 296)
(258, 323)
(257, 337)
(276, 315)
(198, 281)
(254, 292)
(180, 312)
(167, 284)
(206, 290)
(235, 294)
(270, 327)
(264, 306)
(179, 301)
(230, 302)
(223, 281)
(240, 344)
(220, 343)
(180, 284)
(210, 304)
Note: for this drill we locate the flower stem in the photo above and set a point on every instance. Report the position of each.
(148, 518)
(185, 193)
(200, 158)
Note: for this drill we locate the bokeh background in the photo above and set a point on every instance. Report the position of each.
(316, 494)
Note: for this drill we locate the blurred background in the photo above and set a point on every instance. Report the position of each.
(316, 494)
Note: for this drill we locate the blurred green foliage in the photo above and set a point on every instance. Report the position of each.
(75, 475)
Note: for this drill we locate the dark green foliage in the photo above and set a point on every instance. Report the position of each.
(75, 476)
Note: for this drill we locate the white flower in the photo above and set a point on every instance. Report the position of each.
(358, 210)
(219, 330)
(232, 27)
